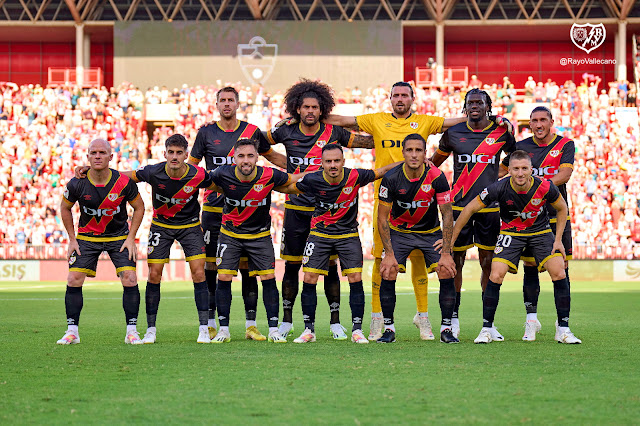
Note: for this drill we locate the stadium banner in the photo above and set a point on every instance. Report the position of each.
(20, 270)
(274, 54)
(626, 270)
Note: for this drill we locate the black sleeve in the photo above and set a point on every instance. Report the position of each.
(263, 144)
(444, 142)
(344, 137)
(131, 191)
(198, 149)
(510, 144)
(366, 176)
(215, 176)
(71, 192)
(306, 184)
(386, 190)
(553, 193)
(207, 181)
(279, 177)
(143, 174)
(440, 184)
(491, 193)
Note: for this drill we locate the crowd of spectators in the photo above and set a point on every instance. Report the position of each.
(44, 133)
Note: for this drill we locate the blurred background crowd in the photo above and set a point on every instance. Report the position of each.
(44, 133)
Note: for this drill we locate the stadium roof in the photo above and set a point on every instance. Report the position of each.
(449, 11)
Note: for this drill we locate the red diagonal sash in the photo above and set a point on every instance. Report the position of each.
(468, 177)
(329, 218)
(410, 220)
(518, 223)
(550, 160)
(98, 226)
(182, 194)
(238, 217)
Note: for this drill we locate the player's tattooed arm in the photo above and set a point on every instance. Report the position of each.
(382, 170)
(469, 210)
(562, 211)
(348, 122)
(362, 141)
(389, 265)
(67, 221)
(446, 264)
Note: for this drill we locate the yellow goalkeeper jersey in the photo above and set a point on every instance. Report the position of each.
(389, 131)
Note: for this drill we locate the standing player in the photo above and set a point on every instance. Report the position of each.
(334, 228)
(388, 131)
(552, 158)
(246, 229)
(308, 102)
(176, 210)
(408, 220)
(525, 225)
(214, 142)
(103, 226)
(476, 145)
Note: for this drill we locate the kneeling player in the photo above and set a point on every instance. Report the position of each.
(103, 226)
(408, 220)
(246, 231)
(525, 225)
(334, 228)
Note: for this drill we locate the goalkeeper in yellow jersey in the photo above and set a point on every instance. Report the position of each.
(388, 131)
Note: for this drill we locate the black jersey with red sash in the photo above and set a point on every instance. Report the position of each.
(247, 203)
(414, 201)
(215, 145)
(546, 161)
(522, 213)
(476, 160)
(175, 200)
(304, 153)
(336, 204)
(103, 208)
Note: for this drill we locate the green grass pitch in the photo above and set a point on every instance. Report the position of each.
(104, 381)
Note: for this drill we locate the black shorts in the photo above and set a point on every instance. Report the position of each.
(90, 251)
(262, 260)
(295, 231)
(211, 223)
(318, 251)
(161, 239)
(566, 242)
(404, 243)
(482, 231)
(509, 249)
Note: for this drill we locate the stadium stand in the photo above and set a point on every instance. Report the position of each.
(42, 130)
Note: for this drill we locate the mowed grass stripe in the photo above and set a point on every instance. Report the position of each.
(176, 380)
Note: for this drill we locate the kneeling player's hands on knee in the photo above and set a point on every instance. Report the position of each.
(80, 172)
(447, 266)
(389, 267)
(438, 246)
(73, 247)
(558, 247)
(130, 245)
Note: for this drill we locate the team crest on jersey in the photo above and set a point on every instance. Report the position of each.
(347, 189)
(384, 191)
(150, 250)
(72, 259)
(218, 261)
(413, 125)
(321, 143)
(258, 188)
(112, 197)
(536, 201)
(426, 187)
(188, 189)
(554, 153)
(498, 250)
(305, 260)
(490, 141)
